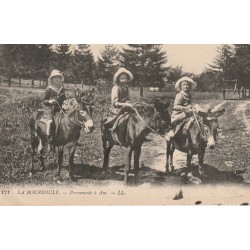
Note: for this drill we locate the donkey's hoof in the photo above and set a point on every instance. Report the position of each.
(167, 172)
(106, 172)
(194, 180)
(202, 174)
(183, 174)
(59, 181)
(73, 178)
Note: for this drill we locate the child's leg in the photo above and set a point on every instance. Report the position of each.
(171, 133)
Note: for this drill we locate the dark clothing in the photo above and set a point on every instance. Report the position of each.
(118, 94)
(52, 94)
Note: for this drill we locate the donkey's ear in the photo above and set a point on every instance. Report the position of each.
(219, 113)
(78, 94)
(91, 94)
(166, 105)
(202, 114)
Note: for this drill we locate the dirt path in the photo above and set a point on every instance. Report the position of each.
(228, 162)
(153, 152)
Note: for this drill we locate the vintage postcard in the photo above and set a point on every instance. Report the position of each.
(126, 124)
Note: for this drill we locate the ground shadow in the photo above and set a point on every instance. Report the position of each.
(86, 171)
(154, 177)
(215, 176)
(149, 176)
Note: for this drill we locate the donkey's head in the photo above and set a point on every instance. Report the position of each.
(210, 126)
(164, 118)
(85, 100)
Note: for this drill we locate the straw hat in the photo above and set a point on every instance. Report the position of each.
(122, 71)
(55, 73)
(186, 79)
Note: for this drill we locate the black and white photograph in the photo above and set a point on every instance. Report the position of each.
(132, 124)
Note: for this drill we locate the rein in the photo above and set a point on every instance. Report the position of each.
(199, 127)
(203, 136)
(81, 124)
(147, 126)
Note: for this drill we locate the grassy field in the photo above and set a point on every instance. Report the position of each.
(17, 105)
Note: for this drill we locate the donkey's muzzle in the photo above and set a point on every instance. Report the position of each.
(89, 126)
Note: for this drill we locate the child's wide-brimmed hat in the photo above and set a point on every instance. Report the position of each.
(186, 79)
(55, 72)
(122, 71)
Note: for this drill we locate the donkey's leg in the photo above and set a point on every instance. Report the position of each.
(107, 146)
(127, 161)
(59, 162)
(189, 159)
(201, 154)
(137, 153)
(169, 156)
(42, 159)
(33, 152)
(130, 154)
(71, 162)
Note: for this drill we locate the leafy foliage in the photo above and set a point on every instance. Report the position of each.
(108, 62)
(146, 62)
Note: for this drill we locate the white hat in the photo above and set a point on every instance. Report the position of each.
(55, 72)
(122, 71)
(187, 79)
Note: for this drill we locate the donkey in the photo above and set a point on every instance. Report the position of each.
(67, 131)
(202, 133)
(140, 122)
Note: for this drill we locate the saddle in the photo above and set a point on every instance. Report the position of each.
(119, 129)
(116, 123)
(58, 116)
(185, 124)
(114, 116)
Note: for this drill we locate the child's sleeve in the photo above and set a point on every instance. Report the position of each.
(128, 94)
(46, 97)
(114, 95)
(62, 96)
(178, 103)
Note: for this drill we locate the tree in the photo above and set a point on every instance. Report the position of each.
(208, 80)
(61, 57)
(82, 64)
(108, 62)
(146, 62)
(242, 65)
(174, 74)
(44, 57)
(224, 65)
(8, 60)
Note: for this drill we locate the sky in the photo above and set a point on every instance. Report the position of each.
(192, 57)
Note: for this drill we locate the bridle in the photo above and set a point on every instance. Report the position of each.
(203, 133)
(156, 114)
(77, 122)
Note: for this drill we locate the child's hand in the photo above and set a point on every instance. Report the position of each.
(187, 109)
(52, 101)
(127, 104)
